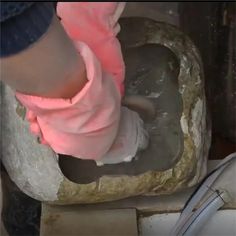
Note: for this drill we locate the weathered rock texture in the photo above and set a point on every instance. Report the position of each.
(34, 167)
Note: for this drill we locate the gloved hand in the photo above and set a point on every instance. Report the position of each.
(86, 126)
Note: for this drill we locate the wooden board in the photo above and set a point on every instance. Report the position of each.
(68, 221)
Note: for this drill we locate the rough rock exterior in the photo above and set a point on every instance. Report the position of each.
(34, 168)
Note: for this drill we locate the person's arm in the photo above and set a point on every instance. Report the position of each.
(88, 119)
(50, 66)
(96, 24)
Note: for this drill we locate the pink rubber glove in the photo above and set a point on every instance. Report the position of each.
(84, 126)
(95, 23)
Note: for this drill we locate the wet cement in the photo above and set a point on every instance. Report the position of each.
(152, 71)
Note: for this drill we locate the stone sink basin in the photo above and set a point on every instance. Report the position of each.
(163, 65)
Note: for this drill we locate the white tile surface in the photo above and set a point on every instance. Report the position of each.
(223, 223)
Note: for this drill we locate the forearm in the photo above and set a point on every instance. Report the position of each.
(50, 67)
